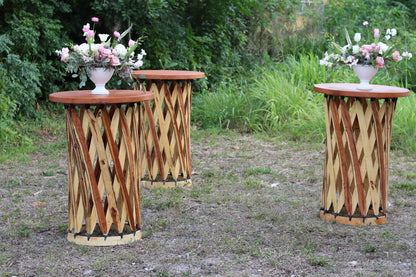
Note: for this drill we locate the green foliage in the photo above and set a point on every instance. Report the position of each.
(29, 35)
(277, 99)
(404, 124)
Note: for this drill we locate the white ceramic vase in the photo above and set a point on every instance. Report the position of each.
(100, 76)
(365, 73)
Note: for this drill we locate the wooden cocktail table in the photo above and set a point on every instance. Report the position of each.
(358, 135)
(103, 165)
(167, 158)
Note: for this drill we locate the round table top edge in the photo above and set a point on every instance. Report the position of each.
(114, 97)
(350, 90)
(168, 74)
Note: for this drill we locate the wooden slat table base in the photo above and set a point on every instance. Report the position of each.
(103, 165)
(165, 120)
(355, 184)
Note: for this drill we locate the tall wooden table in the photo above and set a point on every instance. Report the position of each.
(358, 135)
(103, 165)
(166, 121)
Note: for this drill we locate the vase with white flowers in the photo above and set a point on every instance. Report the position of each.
(100, 60)
(365, 55)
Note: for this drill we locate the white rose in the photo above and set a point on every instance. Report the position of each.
(393, 32)
(357, 37)
(355, 49)
(383, 47)
(103, 37)
(83, 49)
(121, 50)
(95, 47)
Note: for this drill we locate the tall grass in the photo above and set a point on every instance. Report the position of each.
(404, 124)
(280, 99)
(228, 107)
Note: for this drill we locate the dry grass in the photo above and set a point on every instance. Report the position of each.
(252, 211)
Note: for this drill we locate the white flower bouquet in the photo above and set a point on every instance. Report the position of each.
(372, 51)
(105, 54)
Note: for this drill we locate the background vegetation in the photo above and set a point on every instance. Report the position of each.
(261, 58)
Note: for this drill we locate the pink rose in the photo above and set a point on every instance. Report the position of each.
(115, 61)
(396, 56)
(107, 52)
(131, 43)
(379, 62)
(366, 49)
(94, 19)
(90, 34)
(116, 34)
(86, 28)
(376, 33)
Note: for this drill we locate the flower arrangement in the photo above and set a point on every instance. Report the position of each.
(372, 51)
(105, 54)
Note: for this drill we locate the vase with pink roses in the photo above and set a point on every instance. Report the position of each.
(366, 54)
(108, 55)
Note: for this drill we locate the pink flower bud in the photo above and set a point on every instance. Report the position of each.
(90, 33)
(365, 23)
(376, 33)
(116, 34)
(131, 43)
(94, 19)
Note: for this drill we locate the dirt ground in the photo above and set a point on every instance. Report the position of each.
(253, 210)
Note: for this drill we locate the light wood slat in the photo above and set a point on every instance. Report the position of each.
(176, 125)
(112, 211)
(79, 134)
(186, 124)
(118, 167)
(171, 122)
(136, 188)
(73, 181)
(341, 153)
(152, 130)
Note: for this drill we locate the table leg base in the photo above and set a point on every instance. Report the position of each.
(166, 184)
(110, 240)
(356, 221)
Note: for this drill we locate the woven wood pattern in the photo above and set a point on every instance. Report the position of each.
(104, 170)
(166, 149)
(355, 181)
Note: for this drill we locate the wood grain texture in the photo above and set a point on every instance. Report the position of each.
(166, 123)
(356, 161)
(349, 90)
(168, 75)
(104, 173)
(114, 97)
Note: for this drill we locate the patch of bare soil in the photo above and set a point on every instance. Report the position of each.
(253, 210)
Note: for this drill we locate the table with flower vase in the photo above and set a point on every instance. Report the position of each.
(358, 135)
(103, 148)
(167, 154)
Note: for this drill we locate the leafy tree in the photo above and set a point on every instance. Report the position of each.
(29, 35)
